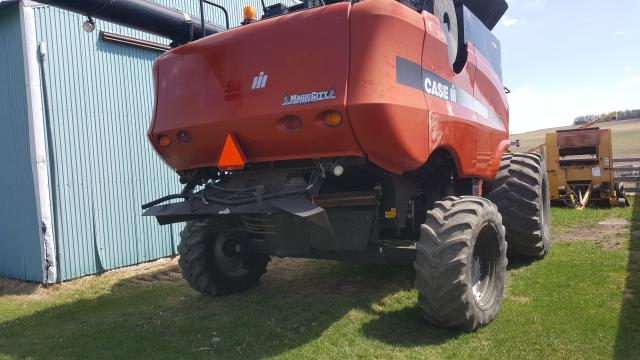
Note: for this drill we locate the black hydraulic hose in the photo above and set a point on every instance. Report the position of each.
(141, 15)
(246, 200)
(251, 199)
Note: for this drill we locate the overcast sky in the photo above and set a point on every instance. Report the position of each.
(565, 58)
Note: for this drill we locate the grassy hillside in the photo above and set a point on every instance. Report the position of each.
(626, 137)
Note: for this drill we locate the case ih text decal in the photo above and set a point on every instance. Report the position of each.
(413, 75)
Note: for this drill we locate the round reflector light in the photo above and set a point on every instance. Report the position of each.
(292, 123)
(164, 140)
(332, 118)
(185, 137)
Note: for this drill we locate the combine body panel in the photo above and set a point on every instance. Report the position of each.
(382, 65)
(207, 88)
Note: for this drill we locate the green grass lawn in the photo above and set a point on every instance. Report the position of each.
(572, 305)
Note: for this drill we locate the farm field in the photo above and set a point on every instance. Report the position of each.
(582, 302)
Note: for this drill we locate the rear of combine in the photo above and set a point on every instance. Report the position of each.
(352, 130)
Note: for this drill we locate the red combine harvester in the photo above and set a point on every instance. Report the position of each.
(355, 130)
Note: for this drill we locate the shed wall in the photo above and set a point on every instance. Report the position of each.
(20, 250)
(101, 103)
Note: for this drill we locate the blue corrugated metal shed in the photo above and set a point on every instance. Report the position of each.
(20, 254)
(101, 167)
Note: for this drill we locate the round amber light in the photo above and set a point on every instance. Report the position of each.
(249, 13)
(333, 119)
(164, 140)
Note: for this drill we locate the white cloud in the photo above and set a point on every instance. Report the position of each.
(630, 82)
(530, 110)
(627, 68)
(620, 33)
(506, 21)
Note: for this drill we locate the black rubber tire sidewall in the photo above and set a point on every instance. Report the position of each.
(198, 263)
(521, 192)
(443, 263)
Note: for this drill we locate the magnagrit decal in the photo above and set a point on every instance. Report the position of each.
(309, 98)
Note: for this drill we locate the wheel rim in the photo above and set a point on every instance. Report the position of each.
(545, 208)
(228, 255)
(486, 254)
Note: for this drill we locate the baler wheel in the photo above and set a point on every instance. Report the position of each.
(521, 192)
(212, 260)
(622, 195)
(461, 263)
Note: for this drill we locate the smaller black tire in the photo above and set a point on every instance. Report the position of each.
(212, 260)
(521, 192)
(461, 263)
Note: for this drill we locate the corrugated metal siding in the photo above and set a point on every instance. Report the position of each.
(20, 255)
(101, 104)
(101, 101)
(234, 8)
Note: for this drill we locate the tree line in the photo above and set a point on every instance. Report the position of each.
(622, 115)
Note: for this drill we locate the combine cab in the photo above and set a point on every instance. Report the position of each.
(354, 130)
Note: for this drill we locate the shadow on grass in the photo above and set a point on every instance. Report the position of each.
(155, 315)
(517, 262)
(406, 328)
(628, 338)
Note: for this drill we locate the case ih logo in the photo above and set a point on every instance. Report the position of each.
(260, 81)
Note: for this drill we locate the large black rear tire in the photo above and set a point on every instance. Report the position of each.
(212, 260)
(521, 192)
(461, 263)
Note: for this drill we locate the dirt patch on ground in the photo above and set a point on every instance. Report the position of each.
(519, 299)
(12, 287)
(310, 277)
(611, 233)
(168, 271)
(615, 222)
(160, 270)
